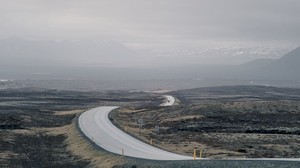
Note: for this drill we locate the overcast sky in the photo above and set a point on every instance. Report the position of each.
(154, 24)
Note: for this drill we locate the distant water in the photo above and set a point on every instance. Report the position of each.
(137, 85)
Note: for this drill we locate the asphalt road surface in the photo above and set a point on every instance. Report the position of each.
(96, 125)
(170, 100)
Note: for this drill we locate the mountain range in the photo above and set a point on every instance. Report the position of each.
(30, 59)
(285, 68)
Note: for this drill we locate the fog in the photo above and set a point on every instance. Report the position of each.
(140, 39)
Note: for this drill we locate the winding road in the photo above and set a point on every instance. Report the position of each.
(95, 124)
(170, 100)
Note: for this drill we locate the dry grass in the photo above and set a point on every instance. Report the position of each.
(127, 110)
(278, 147)
(183, 118)
(23, 131)
(184, 147)
(68, 112)
(6, 155)
(77, 144)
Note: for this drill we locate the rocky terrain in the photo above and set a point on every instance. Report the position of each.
(38, 127)
(224, 122)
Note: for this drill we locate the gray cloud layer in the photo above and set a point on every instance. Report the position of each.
(155, 32)
(156, 21)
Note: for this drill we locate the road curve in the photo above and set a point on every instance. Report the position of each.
(96, 125)
(170, 100)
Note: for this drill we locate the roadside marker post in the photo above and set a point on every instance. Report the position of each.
(141, 123)
(195, 154)
(122, 151)
(156, 128)
(151, 141)
(200, 154)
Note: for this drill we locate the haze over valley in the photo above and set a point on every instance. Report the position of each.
(157, 40)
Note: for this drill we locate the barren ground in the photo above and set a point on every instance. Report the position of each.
(38, 129)
(223, 122)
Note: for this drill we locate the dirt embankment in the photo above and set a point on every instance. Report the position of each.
(80, 147)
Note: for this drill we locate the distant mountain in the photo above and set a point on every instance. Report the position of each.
(285, 68)
(36, 59)
(258, 63)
